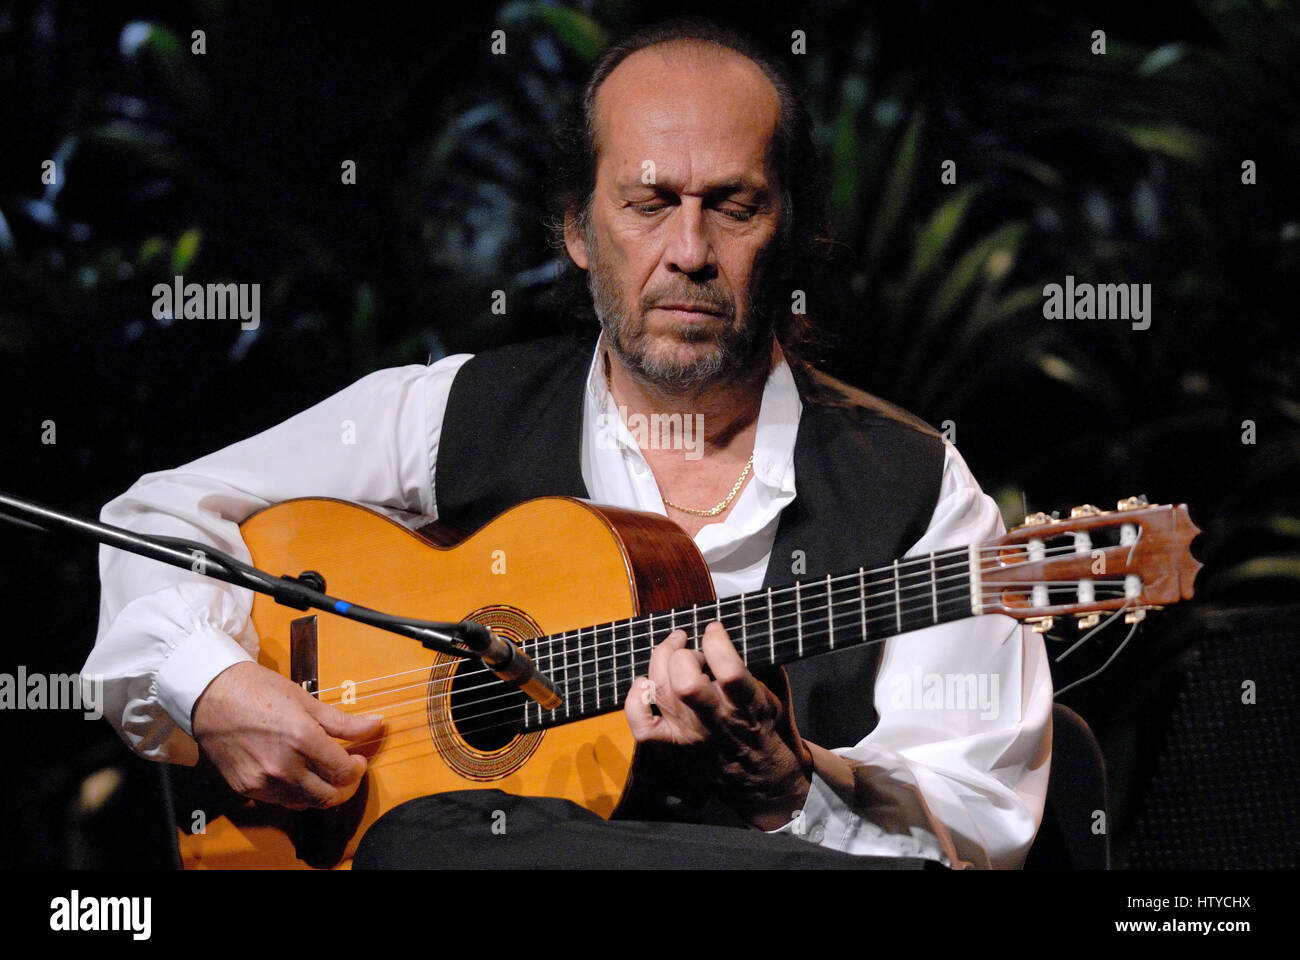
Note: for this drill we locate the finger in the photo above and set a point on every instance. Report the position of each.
(328, 758)
(660, 655)
(641, 718)
(312, 792)
(688, 684)
(734, 679)
(344, 725)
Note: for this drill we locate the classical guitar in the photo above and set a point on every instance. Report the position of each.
(587, 591)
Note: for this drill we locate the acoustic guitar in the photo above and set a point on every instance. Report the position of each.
(586, 591)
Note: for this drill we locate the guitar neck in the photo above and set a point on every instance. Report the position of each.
(594, 667)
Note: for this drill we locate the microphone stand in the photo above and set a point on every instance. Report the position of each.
(463, 639)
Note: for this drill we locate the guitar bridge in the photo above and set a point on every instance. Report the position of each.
(303, 668)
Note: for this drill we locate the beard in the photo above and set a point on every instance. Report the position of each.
(719, 348)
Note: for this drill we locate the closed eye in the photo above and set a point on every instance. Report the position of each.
(650, 209)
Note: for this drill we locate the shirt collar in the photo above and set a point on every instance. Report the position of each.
(778, 419)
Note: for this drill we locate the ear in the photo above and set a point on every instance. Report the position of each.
(574, 241)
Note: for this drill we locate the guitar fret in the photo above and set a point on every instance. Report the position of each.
(651, 644)
(530, 702)
(934, 592)
(582, 677)
(862, 599)
(830, 612)
(554, 662)
(567, 695)
(798, 617)
(631, 655)
(898, 601)
(595, 658)
(597, 671)
(744, 632)
(695, 624)
(771, 629)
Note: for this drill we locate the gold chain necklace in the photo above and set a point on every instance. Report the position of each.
(712, 511)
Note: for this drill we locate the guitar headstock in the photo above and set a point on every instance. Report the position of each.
(1136, 556)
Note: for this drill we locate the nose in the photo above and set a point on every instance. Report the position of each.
(689, 249)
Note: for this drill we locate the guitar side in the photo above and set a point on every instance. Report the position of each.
(548, 565)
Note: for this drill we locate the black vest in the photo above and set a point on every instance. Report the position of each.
(867, 476)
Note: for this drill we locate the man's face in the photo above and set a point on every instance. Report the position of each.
(684, 213)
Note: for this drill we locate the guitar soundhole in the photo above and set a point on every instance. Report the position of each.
(475, 720)
(486, 715)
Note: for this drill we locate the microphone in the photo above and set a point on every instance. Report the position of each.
(509, 663)
(306, 590)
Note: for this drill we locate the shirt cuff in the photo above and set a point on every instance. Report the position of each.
(192, 665)
(828, 821)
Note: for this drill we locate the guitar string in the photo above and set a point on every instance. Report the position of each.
(776, 592)
(514, 708)
(583, 647)
(598, 680)
(767, 639)
(381, 761)
(850, 596)
(598, 676)
(422, 727)
(779, 597)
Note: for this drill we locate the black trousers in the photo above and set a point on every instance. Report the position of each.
(488, 829)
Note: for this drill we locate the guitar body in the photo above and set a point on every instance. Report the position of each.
(545, 566)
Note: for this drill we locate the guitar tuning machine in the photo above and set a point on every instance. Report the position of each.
(1140, 614)
(1086, 510)
(1087, 621)
(1132, 503)
(1037, 519)
(1041, 624)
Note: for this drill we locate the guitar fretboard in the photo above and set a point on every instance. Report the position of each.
(594, 667)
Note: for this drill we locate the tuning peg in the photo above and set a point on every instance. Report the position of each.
(1088, 620)
(1086, 510)
(1132, 503)
(1035, 519)
(1136, 616)
(1041, 624)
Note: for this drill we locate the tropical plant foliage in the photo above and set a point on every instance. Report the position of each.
(1122, 167)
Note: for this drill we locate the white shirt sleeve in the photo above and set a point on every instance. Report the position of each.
(959, 782)
(165, 632)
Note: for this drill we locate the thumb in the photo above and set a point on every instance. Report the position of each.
(343, 725)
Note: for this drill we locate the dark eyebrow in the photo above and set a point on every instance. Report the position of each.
(723, 189)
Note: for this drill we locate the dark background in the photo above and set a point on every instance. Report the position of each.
(225, 167)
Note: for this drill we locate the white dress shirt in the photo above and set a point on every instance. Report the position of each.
(957, 785)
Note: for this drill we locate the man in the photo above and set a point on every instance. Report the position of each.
(687, 222)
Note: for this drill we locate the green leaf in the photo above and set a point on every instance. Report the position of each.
(572, 29)
(935, 237)
(144, 146)
(186, 249)
(897, 187)
(848, 168)
(169, 56)
(1171, 139)
(1279, 567)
